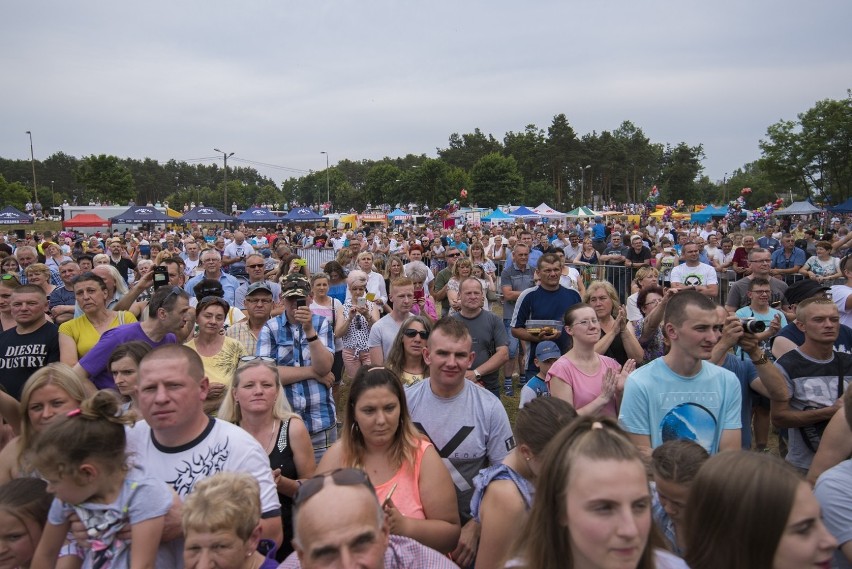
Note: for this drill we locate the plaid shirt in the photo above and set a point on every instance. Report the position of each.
(55, 279)
(243, 334)
(309, 398)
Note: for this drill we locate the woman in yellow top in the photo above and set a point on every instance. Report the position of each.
(220, 354)
(79, 335)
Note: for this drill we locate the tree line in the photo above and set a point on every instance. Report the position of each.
(810, 157)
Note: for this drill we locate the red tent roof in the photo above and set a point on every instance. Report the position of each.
(86, 220)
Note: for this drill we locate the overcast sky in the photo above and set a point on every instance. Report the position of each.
(279, 82)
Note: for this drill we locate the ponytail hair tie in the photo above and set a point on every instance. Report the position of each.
(595, 425)
(74, 412)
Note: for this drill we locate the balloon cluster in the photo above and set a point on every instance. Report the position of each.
(653, 196)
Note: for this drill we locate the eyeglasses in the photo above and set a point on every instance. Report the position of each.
(253, 358)
(762, 292)
(411, 332)
(454, 255)
(585, 323)
(652, 303)
(341, 477)
(258, 266)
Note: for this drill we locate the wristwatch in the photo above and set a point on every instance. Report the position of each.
(477, 375)
(760, 361)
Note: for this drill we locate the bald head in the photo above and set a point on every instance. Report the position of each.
(356, 531)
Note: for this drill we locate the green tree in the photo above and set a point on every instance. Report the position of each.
(751, 176)
(563, 157)
(105, 178)
(383, 184)
(464, 150)
(14, 193)
(813, 155)
(496, 180)
(681, 167)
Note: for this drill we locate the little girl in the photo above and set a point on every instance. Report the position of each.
(82, 458)
(24, 503)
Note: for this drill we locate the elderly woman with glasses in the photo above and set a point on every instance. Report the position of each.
(219, 353)
(378, 436)
(359, 315)
(256, 402)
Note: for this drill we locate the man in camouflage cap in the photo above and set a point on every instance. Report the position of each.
(302, 346)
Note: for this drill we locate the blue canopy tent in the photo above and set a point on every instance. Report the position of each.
(398, 216)
(302, 215)
(258, 215)
(10, 215)
(142, 214)
(497, 216)
(845, 207)
(525, 213)
(709, 213)
(204, 214)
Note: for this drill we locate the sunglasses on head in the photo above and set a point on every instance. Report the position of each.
(411, 332)
(341, 477)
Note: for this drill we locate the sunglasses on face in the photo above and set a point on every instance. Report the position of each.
(411, 332)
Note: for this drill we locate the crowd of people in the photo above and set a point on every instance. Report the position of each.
(207, 397)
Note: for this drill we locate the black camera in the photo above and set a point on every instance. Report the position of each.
(161, 277)
(753, 325)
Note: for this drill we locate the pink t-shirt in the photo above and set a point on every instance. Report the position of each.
(586, 387)
(406, 497)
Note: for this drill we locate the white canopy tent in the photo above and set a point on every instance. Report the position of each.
(545, 210)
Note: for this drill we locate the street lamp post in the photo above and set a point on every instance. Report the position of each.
(327, 190)
(32, 159)
(51, 197)
(583, 182)
(225, 155)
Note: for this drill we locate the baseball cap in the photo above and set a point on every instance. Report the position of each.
(799, 291)
(547, 351)
(254, 287)
(635, 237)
(294, 285)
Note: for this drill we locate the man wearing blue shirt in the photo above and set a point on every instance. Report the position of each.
(680, 395)
(547, 301)
(787, 260)
(212, 263)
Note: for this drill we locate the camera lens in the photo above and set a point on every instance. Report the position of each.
(753, 326)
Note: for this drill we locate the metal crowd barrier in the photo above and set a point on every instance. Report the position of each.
(316, 257)
(621, 277)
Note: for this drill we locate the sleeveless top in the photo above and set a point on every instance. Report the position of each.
(406, 497)
(593, 260)
(499, 472)
(281, 457)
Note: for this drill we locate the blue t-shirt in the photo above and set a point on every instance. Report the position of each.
(746, 372)
(537, 303)
(666, 406)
